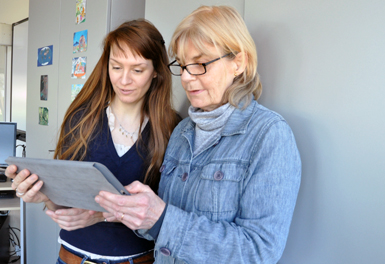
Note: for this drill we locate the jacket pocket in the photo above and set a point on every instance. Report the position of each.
(219, 190)
(166, 171)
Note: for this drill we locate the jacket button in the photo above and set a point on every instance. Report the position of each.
(161, 169)
(218, 175)
(184, 176)
(165, 251)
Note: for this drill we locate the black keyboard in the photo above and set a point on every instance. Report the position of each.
(3, 178)
(7, 194)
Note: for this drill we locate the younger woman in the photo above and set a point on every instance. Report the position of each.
(122, 118)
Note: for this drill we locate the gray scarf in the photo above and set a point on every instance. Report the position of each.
(209, 125)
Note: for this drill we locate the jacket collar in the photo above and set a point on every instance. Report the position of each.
(240, 119)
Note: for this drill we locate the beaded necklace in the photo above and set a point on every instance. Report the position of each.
(124, 131)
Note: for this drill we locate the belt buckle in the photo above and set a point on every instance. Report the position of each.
(89, 262)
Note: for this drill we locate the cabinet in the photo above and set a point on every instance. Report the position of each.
(16, 208)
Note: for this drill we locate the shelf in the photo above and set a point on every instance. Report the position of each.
(5, 186)
(8, 203)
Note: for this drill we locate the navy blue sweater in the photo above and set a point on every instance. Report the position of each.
(112, 239)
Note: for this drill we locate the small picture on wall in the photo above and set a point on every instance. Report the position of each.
(44, 56)
(80, 11)
(80, 41)
(79, 68)
(44, 87)
(75, 89)
(43, 116)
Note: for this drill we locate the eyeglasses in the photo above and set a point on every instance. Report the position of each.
(193, 68)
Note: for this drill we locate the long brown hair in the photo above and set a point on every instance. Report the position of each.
(83, 118)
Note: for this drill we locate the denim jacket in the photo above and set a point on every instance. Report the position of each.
(232, 202)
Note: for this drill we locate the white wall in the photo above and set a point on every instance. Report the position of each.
(166, 15)
(19, 75)
(3, 80)
(10, 12)
(41, 232)
(322, 66)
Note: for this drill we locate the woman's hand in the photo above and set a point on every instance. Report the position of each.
(75, 218)
(140, 210)
(109, 217)
(26, 185)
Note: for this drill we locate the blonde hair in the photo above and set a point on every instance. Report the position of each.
(223, 28)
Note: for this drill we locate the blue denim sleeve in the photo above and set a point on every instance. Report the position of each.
(154, 231)
(259, 232)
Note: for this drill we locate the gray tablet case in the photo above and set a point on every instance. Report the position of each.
(71, 183)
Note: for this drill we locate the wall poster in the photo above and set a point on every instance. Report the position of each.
(79, 68)
(80, 11)
(75, 89)
(43, 116)
(44, 56)
(80, 41)
(44, 87)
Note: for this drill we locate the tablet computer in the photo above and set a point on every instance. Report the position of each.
(71, 183)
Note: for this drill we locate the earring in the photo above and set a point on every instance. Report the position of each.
(235, 74)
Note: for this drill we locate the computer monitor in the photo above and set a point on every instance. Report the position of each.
(8, 132)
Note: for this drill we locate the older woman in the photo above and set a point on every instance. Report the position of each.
(231, 172)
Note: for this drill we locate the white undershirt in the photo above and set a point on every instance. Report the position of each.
(121, 149)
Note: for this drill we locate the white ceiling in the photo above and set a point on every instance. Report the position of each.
(12, 11)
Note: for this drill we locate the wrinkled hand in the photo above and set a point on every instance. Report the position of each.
(75, 218)
(25, 186)
(140, 210)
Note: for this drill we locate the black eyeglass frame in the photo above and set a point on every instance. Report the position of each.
(202, 64)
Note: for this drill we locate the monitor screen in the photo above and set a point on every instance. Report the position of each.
(7, 141)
